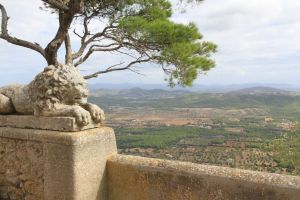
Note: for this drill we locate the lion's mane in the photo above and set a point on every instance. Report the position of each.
(48, 87)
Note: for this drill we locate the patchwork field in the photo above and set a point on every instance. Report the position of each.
(248, 129)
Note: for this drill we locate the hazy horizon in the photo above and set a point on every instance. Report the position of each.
(196, 87)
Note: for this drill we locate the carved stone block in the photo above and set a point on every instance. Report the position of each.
(44, 123)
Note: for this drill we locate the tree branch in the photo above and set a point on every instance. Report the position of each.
(127, 54)
(4, 21)
(85, 42)
(83, 38)
(57, 4)
(112, 68)
(68, 46)
(13, 40)
(91, 50)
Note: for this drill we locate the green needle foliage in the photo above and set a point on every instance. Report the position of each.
(176, 47)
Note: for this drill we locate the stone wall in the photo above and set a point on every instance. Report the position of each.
(21, 169)
(54, 165)
(137, 178)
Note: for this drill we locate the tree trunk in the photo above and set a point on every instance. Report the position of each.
(52, 48)
(65, 20)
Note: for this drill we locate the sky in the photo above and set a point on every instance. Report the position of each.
(258, 42)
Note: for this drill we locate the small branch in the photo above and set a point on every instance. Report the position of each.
(84, 41)
(57, 4)
(84, 58)
(127, 54)
(91, 50)
(5, 19)
(135, 71)
(74, 31)
(105, 46)
(68, 57)
(111, 68)
(94, 75)
(13, 40)
(83, 38)
(99, 48)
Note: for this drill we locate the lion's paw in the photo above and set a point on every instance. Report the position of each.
(96, 113)
(82, 116)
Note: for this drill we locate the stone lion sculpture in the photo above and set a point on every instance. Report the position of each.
(57, 91)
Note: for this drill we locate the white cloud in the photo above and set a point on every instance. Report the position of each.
(29, 22)
(256, 37)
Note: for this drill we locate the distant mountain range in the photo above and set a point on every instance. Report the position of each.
(195, 88)
(139, 93)
(261, 90)
(278, 101)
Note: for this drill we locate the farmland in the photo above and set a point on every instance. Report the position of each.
(235, 129)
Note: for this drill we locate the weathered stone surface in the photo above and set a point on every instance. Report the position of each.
(136, 178)
(54, 165)
(57, 91)
(44, 123)
(21, 169)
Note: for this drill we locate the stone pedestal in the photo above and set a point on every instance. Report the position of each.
(54, 165)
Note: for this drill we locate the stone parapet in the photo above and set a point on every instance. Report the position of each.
(54, 165)
(148, 179)
(84, 165)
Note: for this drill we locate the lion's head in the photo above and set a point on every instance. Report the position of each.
(58, 84)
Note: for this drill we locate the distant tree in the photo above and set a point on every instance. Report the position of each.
(140, 29)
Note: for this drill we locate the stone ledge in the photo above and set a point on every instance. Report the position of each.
(149, 179)
(105, 134)
(43, 123)
(194, 169)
